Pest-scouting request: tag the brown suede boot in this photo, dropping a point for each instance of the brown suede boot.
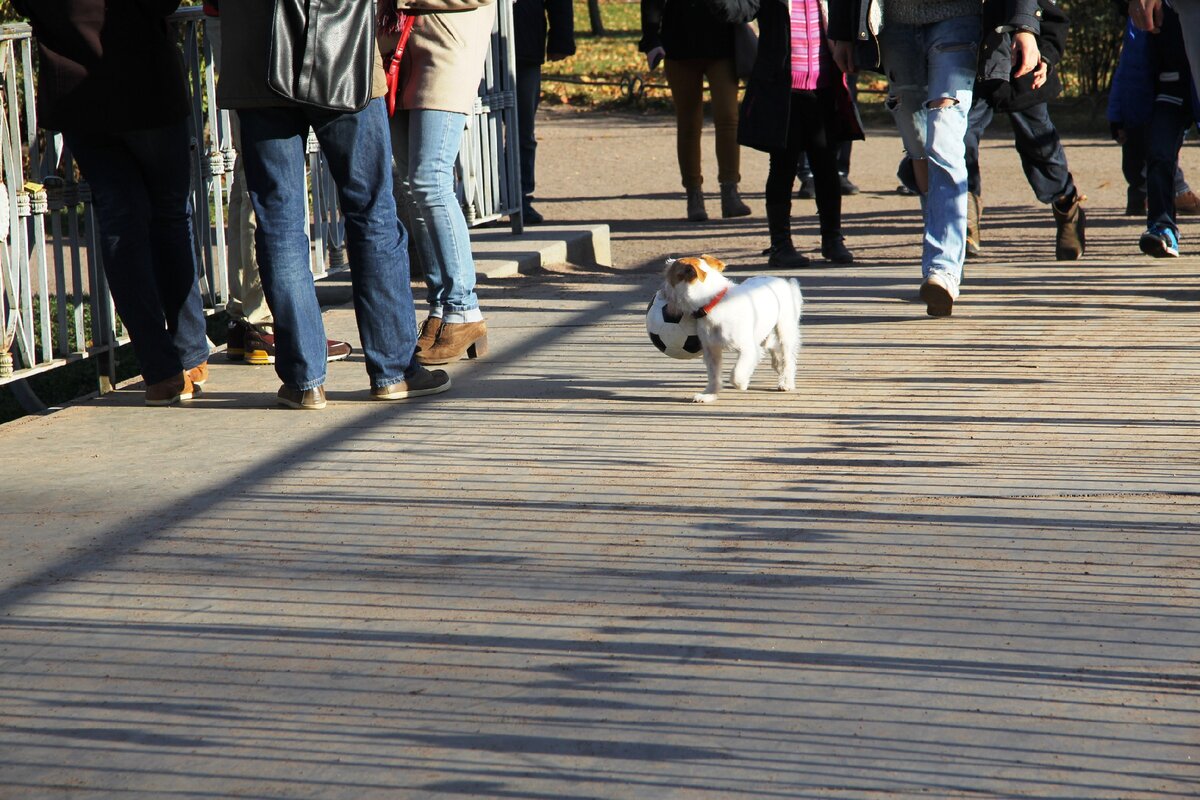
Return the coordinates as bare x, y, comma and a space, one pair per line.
428, 333
1071, 238
454, 339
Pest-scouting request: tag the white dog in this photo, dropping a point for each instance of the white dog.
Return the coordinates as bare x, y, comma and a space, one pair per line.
759, 312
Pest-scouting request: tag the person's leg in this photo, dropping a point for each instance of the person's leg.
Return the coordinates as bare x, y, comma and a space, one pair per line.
952, 56
358, 150
121, 202
723, 87
247, 302
821, 149
686, 81
1045, 165
164, 157
903, 50
440, 235
1042, 155
1168, 125
529, 89
273, 142
977, 122
781, 174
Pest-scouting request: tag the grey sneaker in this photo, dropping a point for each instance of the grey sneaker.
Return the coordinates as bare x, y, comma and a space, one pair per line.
307, 400
939, 293
419, 384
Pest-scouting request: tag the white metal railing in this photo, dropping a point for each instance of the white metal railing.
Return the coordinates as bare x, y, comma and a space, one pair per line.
54, 302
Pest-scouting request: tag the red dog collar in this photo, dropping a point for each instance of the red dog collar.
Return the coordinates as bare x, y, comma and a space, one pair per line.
701, 313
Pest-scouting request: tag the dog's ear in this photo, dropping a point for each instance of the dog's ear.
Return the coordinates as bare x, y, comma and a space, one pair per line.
714, 262
684, 270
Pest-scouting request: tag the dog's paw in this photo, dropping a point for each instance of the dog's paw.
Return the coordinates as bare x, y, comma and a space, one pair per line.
704, 397
741, 386
787, 386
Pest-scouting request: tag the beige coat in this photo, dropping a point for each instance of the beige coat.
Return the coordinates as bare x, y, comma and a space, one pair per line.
443, 61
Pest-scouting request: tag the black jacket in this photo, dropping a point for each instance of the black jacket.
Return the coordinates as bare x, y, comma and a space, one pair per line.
684, 29
766, 107
106, 66
534, 39
995, 84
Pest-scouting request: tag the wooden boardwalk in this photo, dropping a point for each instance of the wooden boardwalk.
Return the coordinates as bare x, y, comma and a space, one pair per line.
961, 560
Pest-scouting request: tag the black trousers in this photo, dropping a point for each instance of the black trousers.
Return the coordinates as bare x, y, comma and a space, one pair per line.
809, 132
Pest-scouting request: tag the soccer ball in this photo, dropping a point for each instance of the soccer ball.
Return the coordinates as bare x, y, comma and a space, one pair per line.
675, 336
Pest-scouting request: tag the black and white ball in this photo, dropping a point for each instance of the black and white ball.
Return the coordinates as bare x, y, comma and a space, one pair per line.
675, 336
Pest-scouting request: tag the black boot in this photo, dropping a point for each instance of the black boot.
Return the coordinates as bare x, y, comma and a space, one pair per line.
782, 253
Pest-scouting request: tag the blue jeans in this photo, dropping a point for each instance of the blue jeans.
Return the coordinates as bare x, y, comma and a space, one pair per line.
141, 190
426, 144
1169, 124
926, 63
1037, 143
359, 155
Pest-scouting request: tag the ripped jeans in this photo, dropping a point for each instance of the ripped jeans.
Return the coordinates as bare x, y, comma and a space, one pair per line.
925, 64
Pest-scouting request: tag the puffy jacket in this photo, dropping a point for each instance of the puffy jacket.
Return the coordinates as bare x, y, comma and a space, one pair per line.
1152, 66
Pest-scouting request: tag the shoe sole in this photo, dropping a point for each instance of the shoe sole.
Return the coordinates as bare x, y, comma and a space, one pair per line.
1156, 247
414, 392
938, 302
259, 358
284, 402
179, 398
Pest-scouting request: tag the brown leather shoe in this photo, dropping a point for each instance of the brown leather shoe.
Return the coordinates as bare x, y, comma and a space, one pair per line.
421, 383
454, 339
169, 391
198, 374
428, 333
1187, 203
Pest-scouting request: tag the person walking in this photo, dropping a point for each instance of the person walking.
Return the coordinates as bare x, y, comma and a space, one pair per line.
929, 53
1025, 101
544, 31
357, 149
111, 79
693, 45
438, 83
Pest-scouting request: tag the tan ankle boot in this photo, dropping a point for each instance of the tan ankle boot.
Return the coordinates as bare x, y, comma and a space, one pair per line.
454, 339
731, 202
695, 205
428, 333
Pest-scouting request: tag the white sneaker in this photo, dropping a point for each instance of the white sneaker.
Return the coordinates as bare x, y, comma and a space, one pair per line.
939, 291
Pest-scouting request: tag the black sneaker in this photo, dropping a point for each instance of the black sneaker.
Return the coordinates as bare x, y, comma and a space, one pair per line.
235, 340
420, 383
784, 256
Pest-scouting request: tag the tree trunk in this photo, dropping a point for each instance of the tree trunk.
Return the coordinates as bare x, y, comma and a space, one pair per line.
595, 19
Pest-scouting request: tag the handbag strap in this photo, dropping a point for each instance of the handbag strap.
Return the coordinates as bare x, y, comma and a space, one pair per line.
393, 70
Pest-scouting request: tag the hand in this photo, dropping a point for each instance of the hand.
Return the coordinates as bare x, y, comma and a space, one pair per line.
556, 56
1025, 55
843, 55
1147, 15
1041, 74
654, 56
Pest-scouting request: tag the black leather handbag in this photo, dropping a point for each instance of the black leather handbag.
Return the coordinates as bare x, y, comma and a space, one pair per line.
323, 52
